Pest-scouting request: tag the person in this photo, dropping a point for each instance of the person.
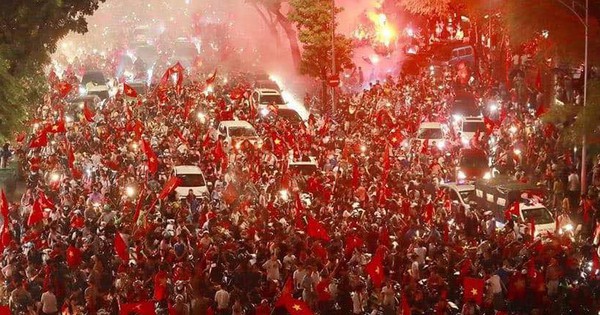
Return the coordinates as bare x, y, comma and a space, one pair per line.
272, 267
5, 154
573, 185
222, 300
49, 305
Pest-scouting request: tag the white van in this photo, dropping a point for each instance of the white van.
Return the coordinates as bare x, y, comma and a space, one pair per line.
234, 132
469, 127
434, 132
459, 194
192, 178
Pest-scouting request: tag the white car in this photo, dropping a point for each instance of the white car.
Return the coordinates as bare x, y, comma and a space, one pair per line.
234, 132
460, 194
94, 83
434, 132
266, 97
469, 127
283, 111
304, 167
192, 178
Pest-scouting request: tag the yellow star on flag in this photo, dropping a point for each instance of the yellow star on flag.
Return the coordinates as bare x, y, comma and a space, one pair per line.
297, 307
474, 292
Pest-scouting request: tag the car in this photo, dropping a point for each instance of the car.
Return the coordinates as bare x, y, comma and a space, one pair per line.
283, 112
459, 194
464, 104
94, 83
267, 97
235, 132
469, 127
304, 167
472, 164
433, 132
267, 84
452, 54
192, 178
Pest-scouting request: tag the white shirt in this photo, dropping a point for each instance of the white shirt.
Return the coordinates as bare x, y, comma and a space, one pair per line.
222, 299
495, 285
573, 182
49, 304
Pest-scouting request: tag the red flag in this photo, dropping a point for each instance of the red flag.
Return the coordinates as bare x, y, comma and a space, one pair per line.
178, 69
490, 125
375, 269
386, 159
298, 204
230, 194
352, 242
315, 229
429, 210
541, 110
70, 156
4, 208
322, 288
5, 238
297, 307
595, 264
138, 207
4, 310
129, 91
425, 147
152, 161
473, 290
58, 127
139, 308
20, 137
88, 114
45, 203
286, 292
405, 307
39, 141
73, 256
64, 88
121, 249
513, 210
170, 185
160, 286
396, 138
532, 230
218, 151
212, 78
36, 215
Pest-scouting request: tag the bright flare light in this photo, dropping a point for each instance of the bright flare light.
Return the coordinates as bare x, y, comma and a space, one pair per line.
384, 32
54, 177
517, 151
284, 194
513, 129
493, 107
201, 117
363, 148
130, 191
68, 119
264, 111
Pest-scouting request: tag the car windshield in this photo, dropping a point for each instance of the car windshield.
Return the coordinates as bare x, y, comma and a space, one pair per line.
467, 195
191, 180
241, 132
304, 169
431, 133
473, 126
267, 85
271, 98
289, 115
539, 215
474, 161
96, 77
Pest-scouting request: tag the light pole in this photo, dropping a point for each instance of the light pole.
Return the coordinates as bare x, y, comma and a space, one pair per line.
585, 21
333, 72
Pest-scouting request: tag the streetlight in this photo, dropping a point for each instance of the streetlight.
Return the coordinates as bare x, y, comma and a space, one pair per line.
585, 21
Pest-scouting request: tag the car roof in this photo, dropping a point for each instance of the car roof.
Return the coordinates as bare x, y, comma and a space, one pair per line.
187, 169
267, 91
236, 123
313, 161
459, 187
431, 125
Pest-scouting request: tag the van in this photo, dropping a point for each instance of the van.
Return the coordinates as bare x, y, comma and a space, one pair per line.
192, 178
266, 97
459, 194
472, 164
453, 54
94, 83
469, 126
234, 132
498, 194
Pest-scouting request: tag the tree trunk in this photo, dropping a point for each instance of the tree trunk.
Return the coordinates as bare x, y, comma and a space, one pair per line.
272, 26
289, 30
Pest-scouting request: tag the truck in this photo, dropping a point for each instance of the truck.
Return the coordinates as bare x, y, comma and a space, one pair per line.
500, 193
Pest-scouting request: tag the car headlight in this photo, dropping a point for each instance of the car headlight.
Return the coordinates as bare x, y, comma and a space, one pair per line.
487, 175
457, 118
440, 144
238, 145
464, 140
264, 112
461, 175
82, 90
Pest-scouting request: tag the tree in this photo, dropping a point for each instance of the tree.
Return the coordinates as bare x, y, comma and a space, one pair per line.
30, 31
270, 13
577, 121
313, 18
427, 7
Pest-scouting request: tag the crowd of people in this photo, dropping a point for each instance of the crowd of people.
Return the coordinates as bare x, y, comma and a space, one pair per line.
100, 229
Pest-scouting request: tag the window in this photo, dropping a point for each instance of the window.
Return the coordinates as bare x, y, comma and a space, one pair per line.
431, 133
191, 180
539, 215
241, 132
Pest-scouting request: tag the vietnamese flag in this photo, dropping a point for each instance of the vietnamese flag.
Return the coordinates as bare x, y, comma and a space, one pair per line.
64, 88
396, 138
375, 269
129, 91
315, 229
218, 151
169, 187
44, 201
70, 156
73, 256
352, 242
429, 210
5, 237
490, 125
36, 215
425, 147
88, 114
139, 308
473, 290
160, 286
514, 210
39, 141
297, 307
212, 78
541, 110
4, 310
322, 288
152, 161
121, 249
4, 208
286, 292
58, 127
138, 207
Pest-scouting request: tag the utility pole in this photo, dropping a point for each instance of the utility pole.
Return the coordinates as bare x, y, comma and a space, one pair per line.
333, 70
